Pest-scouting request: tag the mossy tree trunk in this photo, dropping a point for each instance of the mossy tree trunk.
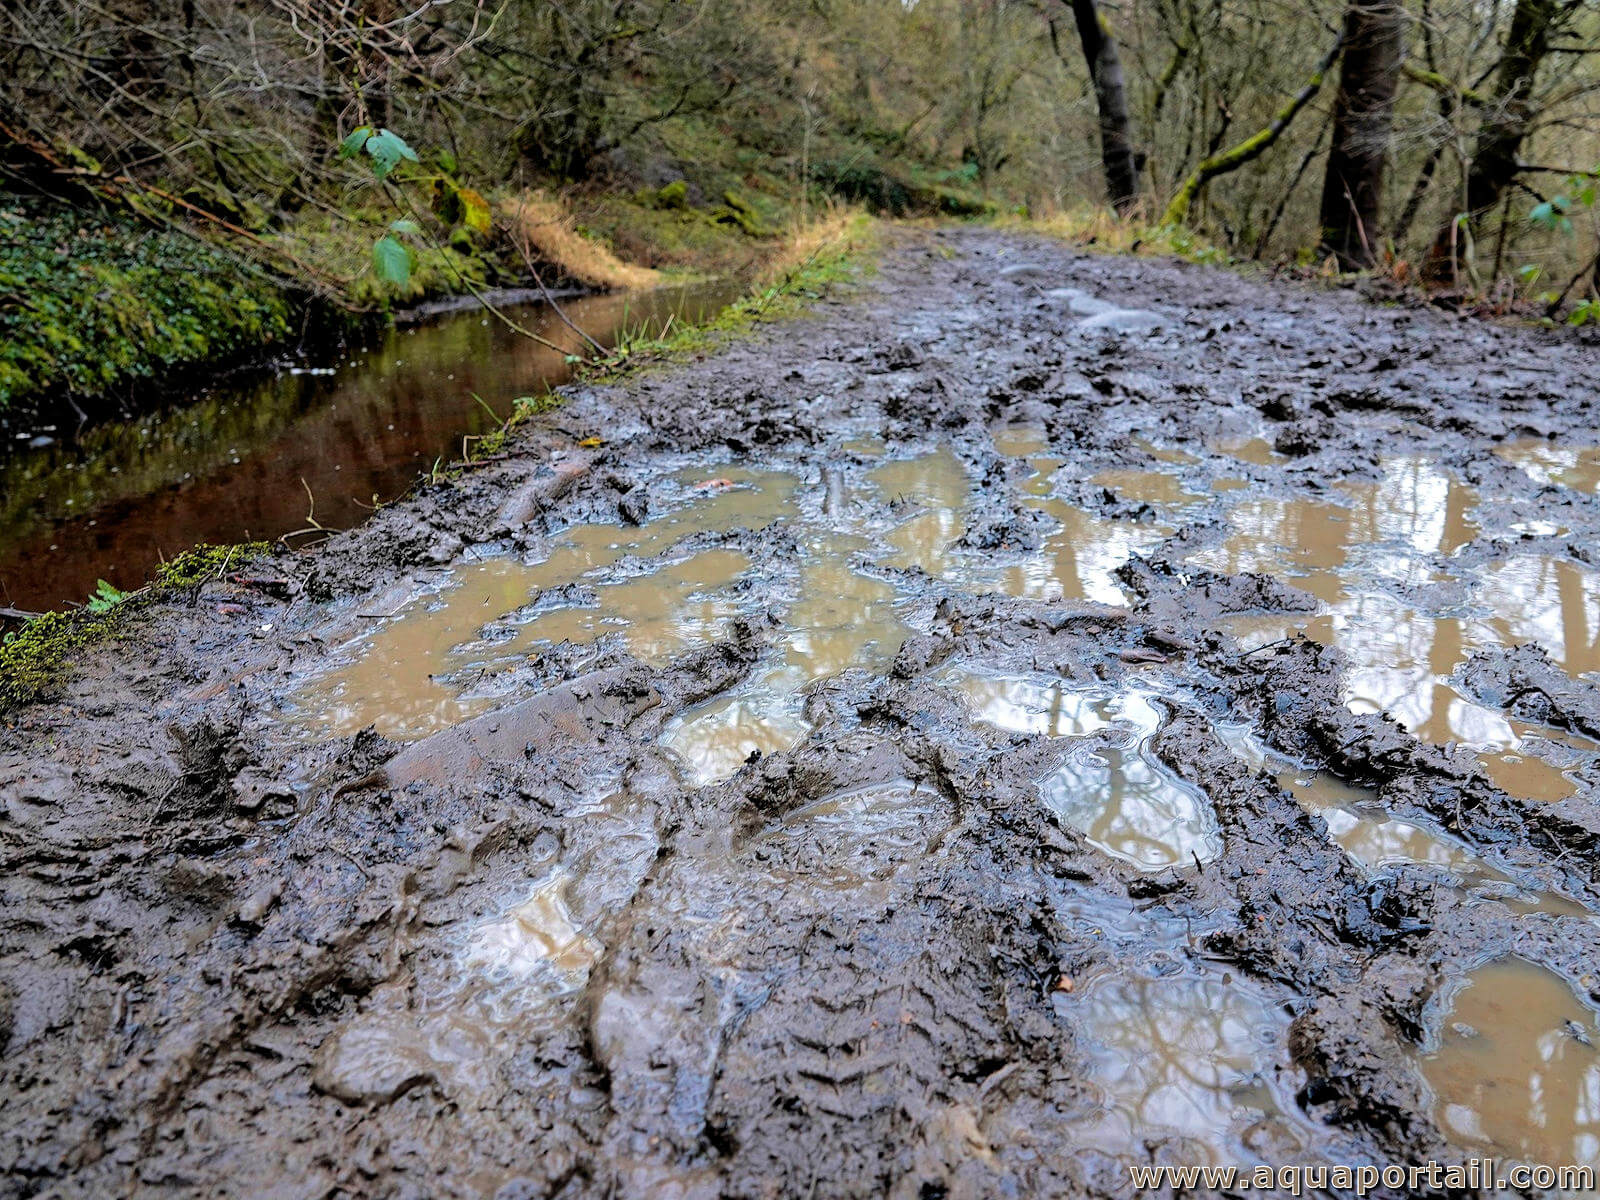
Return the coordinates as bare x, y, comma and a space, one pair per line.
1251, 148
1369, 75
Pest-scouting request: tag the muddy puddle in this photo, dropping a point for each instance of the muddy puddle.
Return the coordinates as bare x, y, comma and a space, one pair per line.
1576, 467
1370, 544
1111, 787
1200, 1059
1514, 1065
317, 443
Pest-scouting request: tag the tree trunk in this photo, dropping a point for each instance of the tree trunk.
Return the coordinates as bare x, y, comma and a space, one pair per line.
1369, 74
1506, 121
1111, 96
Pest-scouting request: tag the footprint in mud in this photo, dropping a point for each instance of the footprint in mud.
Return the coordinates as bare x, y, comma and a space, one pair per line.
1111, 788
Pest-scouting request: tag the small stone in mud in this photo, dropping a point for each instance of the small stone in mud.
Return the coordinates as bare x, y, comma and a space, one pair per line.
634, 507
367, 1062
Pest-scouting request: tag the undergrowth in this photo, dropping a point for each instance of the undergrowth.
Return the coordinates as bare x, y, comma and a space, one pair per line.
90, 302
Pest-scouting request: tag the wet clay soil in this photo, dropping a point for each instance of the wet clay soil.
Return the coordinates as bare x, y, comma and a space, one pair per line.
1037, 714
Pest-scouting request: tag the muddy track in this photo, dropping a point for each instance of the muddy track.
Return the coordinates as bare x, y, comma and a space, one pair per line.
1101, 804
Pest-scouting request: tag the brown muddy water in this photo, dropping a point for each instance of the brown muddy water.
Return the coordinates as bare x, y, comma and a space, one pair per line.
964, 763
315, 443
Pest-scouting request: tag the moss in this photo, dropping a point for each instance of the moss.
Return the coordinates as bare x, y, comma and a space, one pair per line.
35, 658
194, 567
89, 303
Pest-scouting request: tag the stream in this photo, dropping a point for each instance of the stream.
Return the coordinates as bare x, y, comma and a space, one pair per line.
260, 456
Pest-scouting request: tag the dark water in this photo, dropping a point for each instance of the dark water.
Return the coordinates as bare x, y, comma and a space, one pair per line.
244, 462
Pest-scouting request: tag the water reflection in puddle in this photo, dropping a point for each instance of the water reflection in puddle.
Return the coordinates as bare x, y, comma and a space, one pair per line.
1031, 703
538, 934
1376, 840
1202, 1059
1514, 1066
1576, 467
1402, 659
937, 484
1113, 789
395, 677
1551, 601
842, 619
1079, 561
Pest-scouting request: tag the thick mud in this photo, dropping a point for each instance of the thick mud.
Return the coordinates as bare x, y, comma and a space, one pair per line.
1041, 714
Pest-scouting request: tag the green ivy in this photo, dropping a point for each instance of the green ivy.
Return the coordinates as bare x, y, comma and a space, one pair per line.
90, 302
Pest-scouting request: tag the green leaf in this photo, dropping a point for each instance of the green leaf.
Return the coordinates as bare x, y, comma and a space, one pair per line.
105, 598
405, 225
392, 260
354, 140
388, 148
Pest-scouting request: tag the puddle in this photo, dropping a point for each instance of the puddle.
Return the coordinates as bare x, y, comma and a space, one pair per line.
937, 484
1080, 559
395, 681
658, 615
1514, 1066
1255, 450
1547, 600
1576, 467
1113, 790
842, 619
1375, 840
1146, 487
1370, 836
1131, 806
1304, 541
1031, 704
1201, 1059
539, 934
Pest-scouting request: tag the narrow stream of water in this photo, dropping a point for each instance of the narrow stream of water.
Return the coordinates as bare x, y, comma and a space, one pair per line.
247, 460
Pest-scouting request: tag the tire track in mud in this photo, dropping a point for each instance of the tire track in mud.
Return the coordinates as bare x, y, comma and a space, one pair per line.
523, 953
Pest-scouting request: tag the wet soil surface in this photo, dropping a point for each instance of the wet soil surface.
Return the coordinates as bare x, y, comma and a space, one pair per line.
1039, 714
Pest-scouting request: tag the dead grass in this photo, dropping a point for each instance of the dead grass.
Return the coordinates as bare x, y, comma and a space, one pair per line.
547, 231
1098, 227
835, 225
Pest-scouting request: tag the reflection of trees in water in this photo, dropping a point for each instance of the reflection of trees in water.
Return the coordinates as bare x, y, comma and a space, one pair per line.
1518, 1065
227, 465
1177, 1053
1125, 800
1550, 601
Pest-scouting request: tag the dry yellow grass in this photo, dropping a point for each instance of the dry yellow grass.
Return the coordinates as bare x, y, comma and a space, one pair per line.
545, 230
833, 225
